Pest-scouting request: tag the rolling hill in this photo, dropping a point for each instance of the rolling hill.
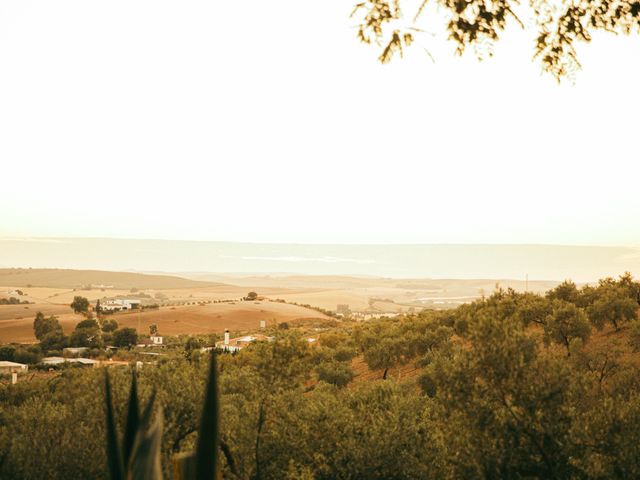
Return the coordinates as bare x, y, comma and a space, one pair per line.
63, 278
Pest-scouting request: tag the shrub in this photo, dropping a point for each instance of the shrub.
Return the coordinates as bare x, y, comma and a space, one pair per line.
335, 373
7, 352
22, 355
634, 336
125, 337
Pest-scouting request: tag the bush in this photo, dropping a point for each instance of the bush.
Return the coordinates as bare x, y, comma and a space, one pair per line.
634, 336
7, 353
85, 337
54, 341
344, 354
125, 337
23, 355
13, 301
109, 325
88, 323
335, 373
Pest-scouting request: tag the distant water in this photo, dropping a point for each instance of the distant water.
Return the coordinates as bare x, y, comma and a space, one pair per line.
539, 262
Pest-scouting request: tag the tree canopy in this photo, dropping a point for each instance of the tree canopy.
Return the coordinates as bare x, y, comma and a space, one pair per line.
125, 337
557, 26
86, 334
43, 326
80, 304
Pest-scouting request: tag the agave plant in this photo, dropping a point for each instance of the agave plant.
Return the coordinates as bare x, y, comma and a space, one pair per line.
138, 456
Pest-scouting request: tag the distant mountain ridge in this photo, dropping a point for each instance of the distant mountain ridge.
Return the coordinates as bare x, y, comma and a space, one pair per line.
539, 262
65, 278
347, 282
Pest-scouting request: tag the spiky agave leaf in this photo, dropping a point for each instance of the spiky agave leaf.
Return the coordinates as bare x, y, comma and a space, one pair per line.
184, 466
114, 459
133, 419
145, 462
208, 434
145, 418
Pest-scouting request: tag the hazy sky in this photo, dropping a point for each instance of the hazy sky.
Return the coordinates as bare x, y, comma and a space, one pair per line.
268, 121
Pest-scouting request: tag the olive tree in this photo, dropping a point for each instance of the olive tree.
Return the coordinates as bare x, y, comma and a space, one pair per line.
555, 28
566, 323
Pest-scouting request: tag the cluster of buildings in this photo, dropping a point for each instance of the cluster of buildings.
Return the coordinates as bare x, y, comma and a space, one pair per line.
73, 355
7, 368
232, 345
236, 344
119, 305
364, 316
343, 311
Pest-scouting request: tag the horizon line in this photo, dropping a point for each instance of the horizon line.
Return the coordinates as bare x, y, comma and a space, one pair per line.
355, 244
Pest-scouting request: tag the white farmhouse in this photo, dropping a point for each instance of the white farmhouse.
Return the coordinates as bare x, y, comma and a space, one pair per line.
88, 362
74, 350
119, 305
237, 344
11, 367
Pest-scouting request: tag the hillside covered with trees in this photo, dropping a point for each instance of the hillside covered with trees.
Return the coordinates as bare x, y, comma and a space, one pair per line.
514, 385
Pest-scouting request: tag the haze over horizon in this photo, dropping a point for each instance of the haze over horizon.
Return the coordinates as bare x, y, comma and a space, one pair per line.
538, 262
144, 120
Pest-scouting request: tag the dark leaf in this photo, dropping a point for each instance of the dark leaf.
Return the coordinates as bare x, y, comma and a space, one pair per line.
133, 419
145, 461
114, 459
208, 435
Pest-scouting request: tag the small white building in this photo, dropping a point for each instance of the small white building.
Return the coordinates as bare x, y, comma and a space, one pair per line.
152, 341
119, 305
7, 367
237, 344
89, 362
74, 350
53, 360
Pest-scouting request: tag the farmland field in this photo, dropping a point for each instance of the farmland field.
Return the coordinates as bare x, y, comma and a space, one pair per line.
187, 305
215, 317
16, 321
